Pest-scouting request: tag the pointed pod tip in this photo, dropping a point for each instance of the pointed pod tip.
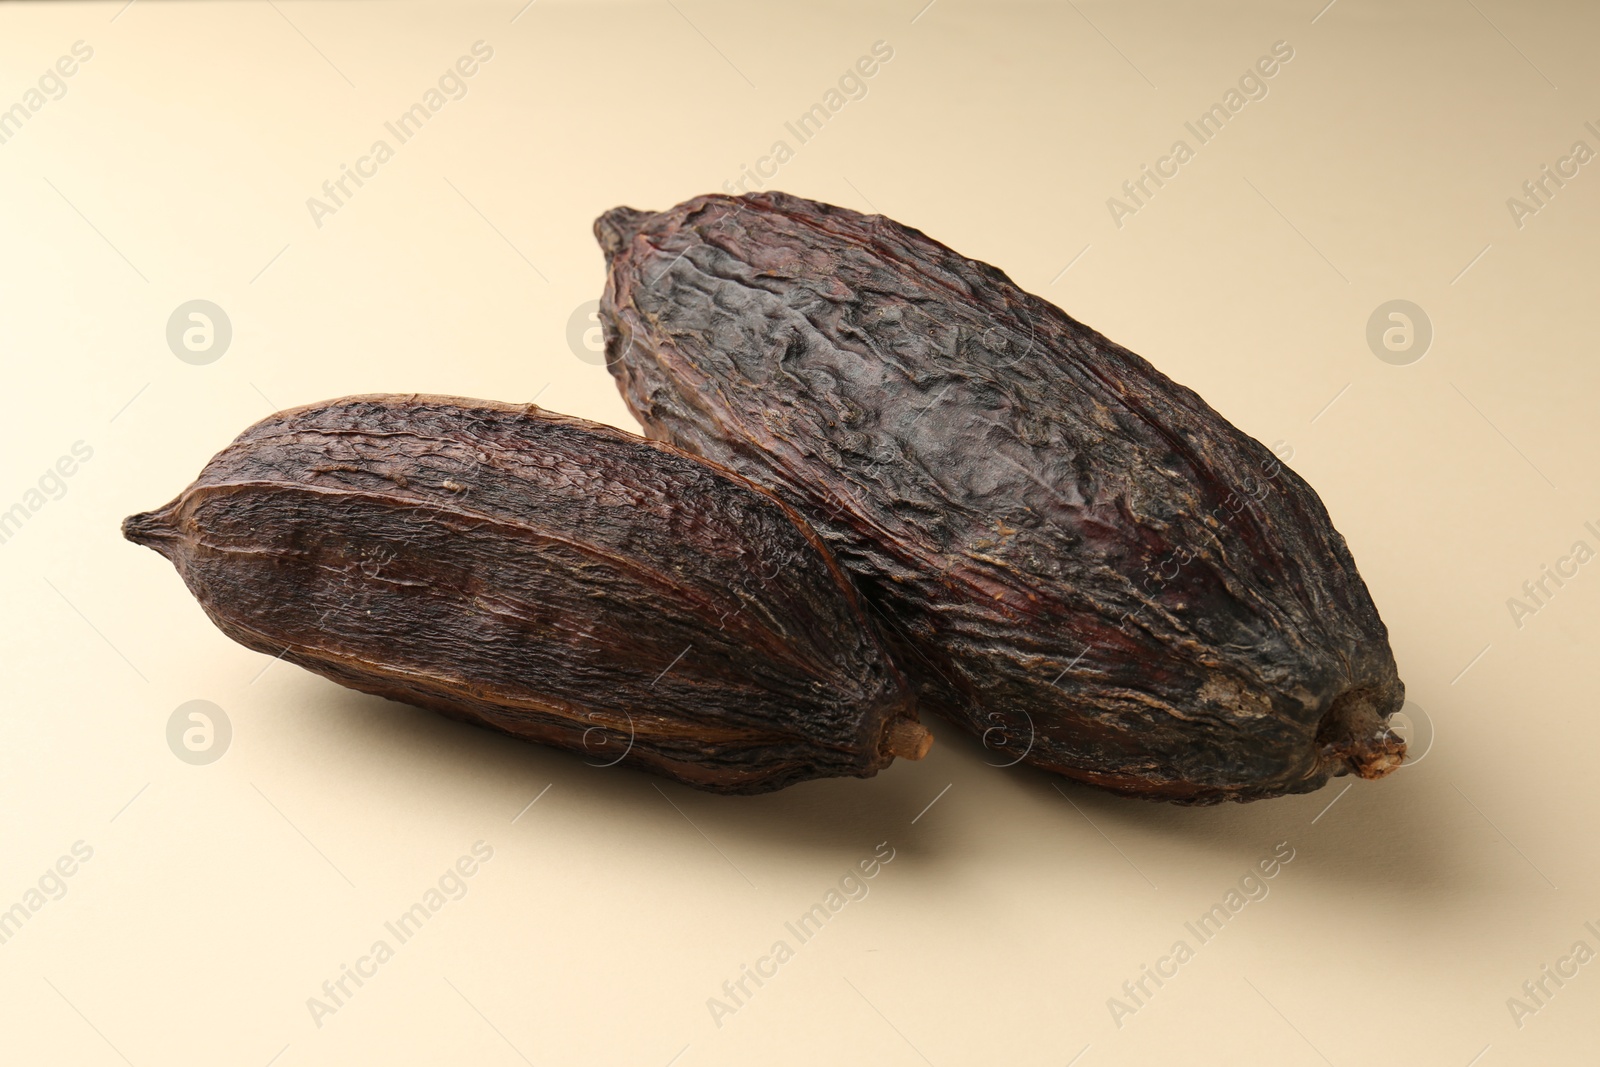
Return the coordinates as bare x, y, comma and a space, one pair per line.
149, 528
617, 227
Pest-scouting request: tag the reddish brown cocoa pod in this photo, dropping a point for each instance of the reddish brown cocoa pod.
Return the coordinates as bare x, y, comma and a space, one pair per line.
559, 580
1083, 562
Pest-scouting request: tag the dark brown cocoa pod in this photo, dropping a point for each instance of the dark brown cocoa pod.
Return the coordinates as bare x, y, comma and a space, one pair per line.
553, 578
1089, 566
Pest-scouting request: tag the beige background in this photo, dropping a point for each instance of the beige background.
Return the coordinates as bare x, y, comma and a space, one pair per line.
219, 898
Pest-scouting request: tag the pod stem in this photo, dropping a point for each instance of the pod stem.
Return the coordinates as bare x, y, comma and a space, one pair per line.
907, 739
1355, 734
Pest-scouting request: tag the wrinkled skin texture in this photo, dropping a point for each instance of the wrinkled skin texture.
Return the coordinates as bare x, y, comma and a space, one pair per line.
552, 578
1080, 560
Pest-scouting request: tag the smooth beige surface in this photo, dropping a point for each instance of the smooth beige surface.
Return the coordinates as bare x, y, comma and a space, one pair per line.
218, 899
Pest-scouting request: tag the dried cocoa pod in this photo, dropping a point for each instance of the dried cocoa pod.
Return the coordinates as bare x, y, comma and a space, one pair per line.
1087, 566
559, 580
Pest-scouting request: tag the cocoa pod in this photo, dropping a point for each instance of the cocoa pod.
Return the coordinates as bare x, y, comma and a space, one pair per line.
1085, 564
552, 578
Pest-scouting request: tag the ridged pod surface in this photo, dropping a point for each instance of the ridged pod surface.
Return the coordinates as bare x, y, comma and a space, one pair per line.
549, 577
1081, 561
